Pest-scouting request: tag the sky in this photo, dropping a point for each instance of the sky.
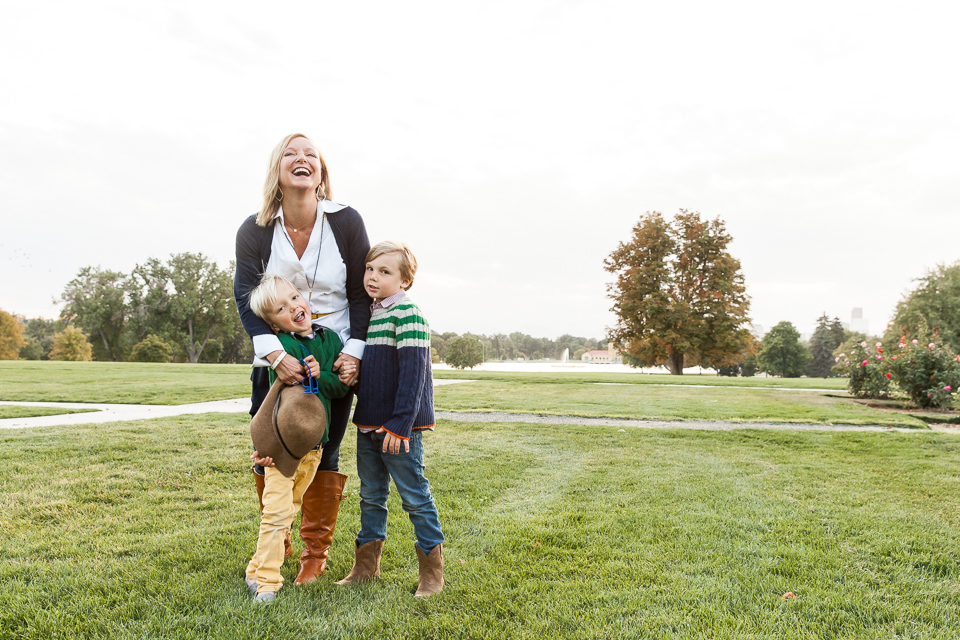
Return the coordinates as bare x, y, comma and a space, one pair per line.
512, 145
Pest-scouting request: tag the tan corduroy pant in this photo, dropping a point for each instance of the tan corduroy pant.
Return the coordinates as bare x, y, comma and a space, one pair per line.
282, 497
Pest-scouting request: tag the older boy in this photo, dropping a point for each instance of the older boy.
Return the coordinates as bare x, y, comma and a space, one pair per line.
279, 303
394, 407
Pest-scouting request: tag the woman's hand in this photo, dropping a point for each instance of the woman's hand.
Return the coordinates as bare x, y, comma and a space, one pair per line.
348, 367
290, 371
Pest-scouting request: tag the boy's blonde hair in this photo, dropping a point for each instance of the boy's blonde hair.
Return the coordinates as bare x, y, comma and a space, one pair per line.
408, 263
264, 296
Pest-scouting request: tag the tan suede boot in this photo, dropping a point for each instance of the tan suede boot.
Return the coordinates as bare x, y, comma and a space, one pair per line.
366, 565
431, 572
260, 482
318, 519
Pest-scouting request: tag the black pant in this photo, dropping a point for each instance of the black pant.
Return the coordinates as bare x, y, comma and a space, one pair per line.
339, 416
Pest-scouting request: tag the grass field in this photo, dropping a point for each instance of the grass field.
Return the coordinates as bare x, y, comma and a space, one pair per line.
122, 382
142, 530
635, 396
9, 411
649, 402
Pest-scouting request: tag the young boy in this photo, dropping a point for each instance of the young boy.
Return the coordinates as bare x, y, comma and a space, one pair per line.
287, 312
394, 407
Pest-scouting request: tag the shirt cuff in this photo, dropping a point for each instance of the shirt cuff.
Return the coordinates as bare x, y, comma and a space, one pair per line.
353, 348
266, 344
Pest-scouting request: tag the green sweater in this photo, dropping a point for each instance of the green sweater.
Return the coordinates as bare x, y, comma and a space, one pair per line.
325, 346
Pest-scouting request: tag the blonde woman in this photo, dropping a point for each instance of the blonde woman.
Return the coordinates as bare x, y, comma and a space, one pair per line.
320, 246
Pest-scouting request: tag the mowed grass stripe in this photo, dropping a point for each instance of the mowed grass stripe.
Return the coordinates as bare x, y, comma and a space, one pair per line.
647, 402
142, 529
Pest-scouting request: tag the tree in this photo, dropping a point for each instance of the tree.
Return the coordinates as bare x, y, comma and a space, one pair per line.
95, 301
935, 302
781, 352
11, 336
188, 302
38, 333
151, 349
825, 339
71, 344
678, 293
463, 353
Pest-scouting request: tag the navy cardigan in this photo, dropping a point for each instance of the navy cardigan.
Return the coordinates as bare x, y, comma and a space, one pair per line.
253, 254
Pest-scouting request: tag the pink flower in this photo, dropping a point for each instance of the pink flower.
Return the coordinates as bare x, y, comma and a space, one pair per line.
879, 350
879, 344
901, 345
843, 355
836, 359
930, 346
946, 388
879, 357
888, 376
863, 344
916, 342
864, 363
894, 357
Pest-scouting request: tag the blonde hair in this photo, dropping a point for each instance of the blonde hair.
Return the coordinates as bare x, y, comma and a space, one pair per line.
264, 296
408, 262
271, 186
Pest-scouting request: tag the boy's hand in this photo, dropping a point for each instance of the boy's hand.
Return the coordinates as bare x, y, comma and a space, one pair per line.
348, 367
263, 462
313, 366
391, 443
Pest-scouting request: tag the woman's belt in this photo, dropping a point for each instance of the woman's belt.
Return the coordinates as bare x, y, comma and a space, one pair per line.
317, 316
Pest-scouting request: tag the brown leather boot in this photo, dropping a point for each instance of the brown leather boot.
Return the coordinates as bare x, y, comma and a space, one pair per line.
318, 519
431, 572
366, 565
260, 482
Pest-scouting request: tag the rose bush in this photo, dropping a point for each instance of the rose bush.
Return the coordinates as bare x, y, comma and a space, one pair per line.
864, 365
926, 370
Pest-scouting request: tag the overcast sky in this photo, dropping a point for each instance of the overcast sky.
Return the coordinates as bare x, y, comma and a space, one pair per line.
511, 144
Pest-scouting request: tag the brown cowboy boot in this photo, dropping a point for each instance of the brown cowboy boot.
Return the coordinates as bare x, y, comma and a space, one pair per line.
260, 482
318, 519
366, 565
431, 572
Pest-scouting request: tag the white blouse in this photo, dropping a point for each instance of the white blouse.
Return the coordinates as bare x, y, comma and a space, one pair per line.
320, 274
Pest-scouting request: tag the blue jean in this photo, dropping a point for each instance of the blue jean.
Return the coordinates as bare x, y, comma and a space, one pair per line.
375, 469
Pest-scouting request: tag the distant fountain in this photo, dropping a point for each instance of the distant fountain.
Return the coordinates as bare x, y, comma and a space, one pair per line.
565, 356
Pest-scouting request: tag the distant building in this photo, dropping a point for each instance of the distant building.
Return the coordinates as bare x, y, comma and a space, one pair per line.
603, 356
858, 322
758, 330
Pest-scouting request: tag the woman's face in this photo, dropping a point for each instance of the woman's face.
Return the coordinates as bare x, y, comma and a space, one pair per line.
300, 165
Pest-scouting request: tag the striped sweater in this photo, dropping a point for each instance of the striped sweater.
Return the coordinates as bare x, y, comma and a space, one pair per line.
396, 380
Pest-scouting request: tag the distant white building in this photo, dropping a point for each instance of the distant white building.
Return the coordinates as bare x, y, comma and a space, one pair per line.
604, 356
858, 322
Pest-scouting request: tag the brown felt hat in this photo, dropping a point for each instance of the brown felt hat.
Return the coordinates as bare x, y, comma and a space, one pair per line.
288, 425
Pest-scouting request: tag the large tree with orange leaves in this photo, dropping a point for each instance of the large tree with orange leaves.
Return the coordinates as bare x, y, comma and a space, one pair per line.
679, 295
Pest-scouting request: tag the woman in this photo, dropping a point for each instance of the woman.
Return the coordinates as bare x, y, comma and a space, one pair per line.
320, 246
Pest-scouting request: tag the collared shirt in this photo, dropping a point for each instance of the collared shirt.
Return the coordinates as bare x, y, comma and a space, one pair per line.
386, 303
320, 275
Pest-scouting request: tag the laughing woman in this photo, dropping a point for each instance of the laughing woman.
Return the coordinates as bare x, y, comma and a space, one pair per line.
320, 246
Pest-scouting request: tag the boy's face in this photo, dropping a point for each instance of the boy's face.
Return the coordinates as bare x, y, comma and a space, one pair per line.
291, 312
382, 277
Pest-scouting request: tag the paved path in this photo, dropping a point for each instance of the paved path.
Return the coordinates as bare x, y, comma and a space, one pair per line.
119, 412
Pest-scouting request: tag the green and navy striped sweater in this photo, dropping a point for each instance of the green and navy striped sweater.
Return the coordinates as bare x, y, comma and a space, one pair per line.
396, 380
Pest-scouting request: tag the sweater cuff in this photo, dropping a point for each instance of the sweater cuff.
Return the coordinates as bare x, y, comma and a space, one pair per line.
395, 428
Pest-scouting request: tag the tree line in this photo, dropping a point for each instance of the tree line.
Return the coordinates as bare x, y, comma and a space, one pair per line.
179, 310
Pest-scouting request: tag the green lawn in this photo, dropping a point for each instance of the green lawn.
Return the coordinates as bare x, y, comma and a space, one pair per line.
10, 411
838, 384
142, 530
122, 382
649, 402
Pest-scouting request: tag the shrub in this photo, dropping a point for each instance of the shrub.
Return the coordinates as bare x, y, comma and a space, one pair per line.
151, 349
71, 344
865, 366
926, 369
